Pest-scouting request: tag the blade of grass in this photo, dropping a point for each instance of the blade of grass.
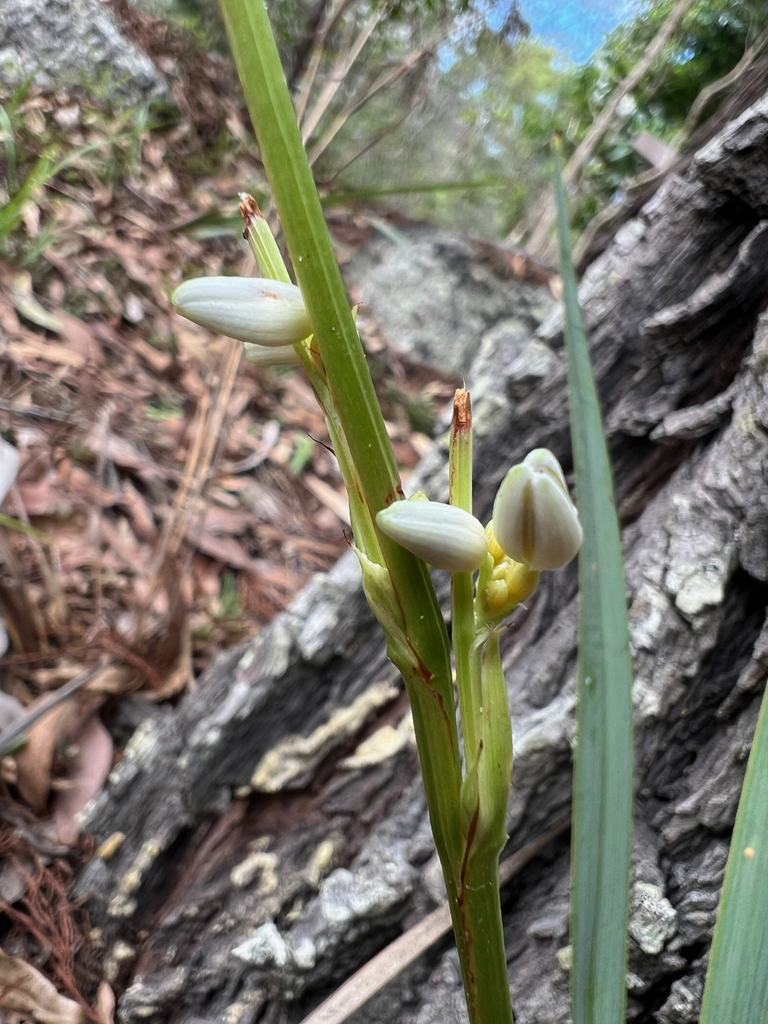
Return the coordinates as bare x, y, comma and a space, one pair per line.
737, 980
603, 769
12, 212
17, 526
415, 189
9, 144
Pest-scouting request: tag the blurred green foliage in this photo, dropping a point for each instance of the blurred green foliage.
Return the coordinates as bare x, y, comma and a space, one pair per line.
489, 114
482, 100
710, 42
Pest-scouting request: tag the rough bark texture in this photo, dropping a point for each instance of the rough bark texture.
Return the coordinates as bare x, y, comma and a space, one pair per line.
275, 833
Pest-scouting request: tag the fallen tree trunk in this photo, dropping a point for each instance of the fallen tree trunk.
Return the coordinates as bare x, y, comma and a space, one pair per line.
265, 838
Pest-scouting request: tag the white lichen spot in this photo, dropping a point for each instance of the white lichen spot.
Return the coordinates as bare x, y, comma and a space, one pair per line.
146, 856
122, 903
304, 953
703, 589
142, 743
322, 859
564, 958
386, 742
254, 864
645, 699
235, 1012
295, 757
123, 952
110, 846
121, 906
265, 948
647, 618
652, 918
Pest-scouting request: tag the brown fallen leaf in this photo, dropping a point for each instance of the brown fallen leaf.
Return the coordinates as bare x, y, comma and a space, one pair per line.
142, 520
335, 500
228, 551
49, 351
34, 761
178, 678
79, 337
45, 497
23, 989
94, 765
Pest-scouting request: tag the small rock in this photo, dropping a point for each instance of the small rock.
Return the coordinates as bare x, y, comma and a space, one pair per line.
652, 918
265, 948
133, 311
73, 42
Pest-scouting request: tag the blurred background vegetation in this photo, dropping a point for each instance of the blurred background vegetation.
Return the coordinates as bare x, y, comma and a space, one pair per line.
445, 108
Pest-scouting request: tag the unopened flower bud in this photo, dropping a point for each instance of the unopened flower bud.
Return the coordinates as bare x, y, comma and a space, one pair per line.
249, 309
274, 355
443, 535
534, 519
9, 467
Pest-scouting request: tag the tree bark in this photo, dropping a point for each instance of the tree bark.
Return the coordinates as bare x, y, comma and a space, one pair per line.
274, 829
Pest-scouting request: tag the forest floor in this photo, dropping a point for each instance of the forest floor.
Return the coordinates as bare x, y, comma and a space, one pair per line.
171, 498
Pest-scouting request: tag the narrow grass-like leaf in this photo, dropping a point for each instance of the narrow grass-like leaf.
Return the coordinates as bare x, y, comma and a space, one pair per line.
737, 981
12, 212
603, 771
9, 144
17, 526
341, 198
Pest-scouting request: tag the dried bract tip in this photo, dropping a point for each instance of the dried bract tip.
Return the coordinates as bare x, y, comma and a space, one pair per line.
255, 310
443, 535
534, 519
249, 207
462, 411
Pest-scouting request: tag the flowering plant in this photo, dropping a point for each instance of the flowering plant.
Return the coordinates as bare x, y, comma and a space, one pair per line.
535, 527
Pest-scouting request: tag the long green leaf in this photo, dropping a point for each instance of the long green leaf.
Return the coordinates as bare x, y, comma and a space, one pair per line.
603, 783
736, 991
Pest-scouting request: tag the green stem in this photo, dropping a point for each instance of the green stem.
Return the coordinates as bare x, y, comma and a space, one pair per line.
463, 636
462, 586
485, 970
488, 991
488, 753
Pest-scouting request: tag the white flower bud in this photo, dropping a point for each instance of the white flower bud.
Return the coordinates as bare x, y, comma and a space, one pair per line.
9, 467
534, 519
443, 535
276, 355
250, 309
